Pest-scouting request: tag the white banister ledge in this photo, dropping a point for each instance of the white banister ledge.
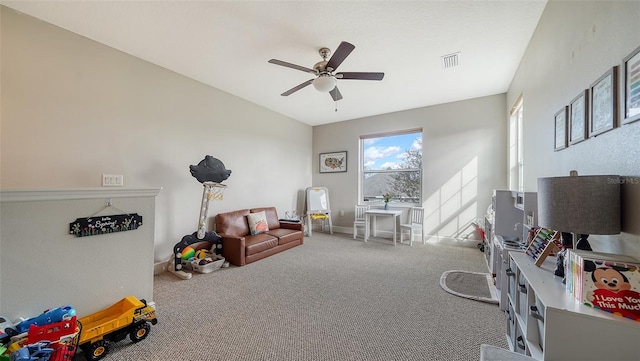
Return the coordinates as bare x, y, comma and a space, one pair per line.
26, 195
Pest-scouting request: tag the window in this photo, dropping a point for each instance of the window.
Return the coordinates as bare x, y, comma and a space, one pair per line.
391, 163
516, 165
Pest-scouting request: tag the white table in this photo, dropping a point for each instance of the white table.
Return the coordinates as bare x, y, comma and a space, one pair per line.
376, 213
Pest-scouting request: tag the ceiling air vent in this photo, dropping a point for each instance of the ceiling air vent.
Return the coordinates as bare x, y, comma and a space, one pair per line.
450, 60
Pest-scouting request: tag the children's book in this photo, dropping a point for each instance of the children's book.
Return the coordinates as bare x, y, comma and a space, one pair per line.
605, 281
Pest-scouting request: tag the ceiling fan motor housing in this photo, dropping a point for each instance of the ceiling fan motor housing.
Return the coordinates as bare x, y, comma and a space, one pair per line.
321, 67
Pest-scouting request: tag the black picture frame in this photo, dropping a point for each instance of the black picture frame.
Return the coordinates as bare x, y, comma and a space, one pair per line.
334, 162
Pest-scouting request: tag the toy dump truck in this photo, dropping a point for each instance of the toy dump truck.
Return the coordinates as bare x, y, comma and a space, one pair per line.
129, 316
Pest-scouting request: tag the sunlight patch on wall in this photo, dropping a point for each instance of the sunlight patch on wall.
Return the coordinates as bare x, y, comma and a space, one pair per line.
451, 209
458, 228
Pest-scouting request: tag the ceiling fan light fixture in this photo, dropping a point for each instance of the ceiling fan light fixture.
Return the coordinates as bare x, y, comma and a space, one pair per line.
324, 83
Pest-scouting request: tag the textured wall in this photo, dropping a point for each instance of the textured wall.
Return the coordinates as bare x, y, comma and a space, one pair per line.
573, 45
73, 109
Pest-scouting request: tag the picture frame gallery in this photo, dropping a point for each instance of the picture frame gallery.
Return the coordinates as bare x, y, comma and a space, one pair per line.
611, 101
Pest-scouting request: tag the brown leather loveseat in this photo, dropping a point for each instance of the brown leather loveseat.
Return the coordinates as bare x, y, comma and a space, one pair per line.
240, 247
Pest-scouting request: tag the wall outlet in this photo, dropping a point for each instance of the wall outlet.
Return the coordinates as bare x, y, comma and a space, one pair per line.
112, 180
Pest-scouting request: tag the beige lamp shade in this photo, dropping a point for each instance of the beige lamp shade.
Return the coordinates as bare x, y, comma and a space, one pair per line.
580, 204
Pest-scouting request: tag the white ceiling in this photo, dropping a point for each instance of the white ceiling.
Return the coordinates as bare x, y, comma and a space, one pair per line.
226, 44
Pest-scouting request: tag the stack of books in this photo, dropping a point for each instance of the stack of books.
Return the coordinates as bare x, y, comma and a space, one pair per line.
605, 281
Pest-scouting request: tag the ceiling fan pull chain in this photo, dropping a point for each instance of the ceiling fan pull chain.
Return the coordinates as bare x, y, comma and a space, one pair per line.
336, 106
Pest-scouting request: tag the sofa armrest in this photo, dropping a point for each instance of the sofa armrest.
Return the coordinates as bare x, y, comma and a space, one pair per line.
233, 249
298, 226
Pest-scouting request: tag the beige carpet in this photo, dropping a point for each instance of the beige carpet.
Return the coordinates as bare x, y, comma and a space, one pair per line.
333, 298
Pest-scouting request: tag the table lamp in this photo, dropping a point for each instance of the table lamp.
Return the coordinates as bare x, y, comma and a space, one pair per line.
580, 205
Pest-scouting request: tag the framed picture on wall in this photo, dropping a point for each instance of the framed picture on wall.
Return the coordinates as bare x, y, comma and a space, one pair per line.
631, 64
561, 129
602, 103
333, 162
578, 114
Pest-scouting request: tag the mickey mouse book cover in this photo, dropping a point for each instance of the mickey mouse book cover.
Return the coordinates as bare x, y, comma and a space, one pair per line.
610, 283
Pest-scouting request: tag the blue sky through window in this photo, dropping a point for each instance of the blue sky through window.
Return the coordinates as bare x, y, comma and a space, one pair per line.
390, 151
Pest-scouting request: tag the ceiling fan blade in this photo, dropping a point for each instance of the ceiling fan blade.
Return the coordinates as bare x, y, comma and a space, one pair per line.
296, 88
335, 94
360, 76
292, 66
344, 49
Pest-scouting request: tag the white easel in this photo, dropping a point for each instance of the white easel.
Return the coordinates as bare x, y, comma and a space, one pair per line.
317, 199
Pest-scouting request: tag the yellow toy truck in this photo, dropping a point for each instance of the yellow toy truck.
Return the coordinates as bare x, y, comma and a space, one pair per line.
128, 316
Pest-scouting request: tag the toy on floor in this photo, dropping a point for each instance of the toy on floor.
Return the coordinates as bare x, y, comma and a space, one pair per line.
39, 351
210, 172
3, 355
45, 327
318, 208
129, 316
7, 330
47, 317
200, 255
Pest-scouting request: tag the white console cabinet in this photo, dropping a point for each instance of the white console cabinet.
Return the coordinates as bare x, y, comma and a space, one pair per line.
506, 216
501, 262
514, 214
547, 323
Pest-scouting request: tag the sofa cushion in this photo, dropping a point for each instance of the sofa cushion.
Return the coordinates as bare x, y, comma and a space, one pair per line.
285, 235
233, 223
259, 242
257, 222
272, 216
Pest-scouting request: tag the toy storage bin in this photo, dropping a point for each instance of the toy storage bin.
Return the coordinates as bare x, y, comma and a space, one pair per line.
209, 267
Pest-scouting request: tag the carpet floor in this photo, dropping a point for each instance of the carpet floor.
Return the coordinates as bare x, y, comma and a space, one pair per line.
333, 298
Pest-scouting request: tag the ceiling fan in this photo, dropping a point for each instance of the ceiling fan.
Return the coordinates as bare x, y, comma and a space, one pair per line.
326, 80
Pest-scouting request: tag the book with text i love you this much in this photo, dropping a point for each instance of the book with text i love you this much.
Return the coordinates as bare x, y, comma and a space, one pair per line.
609, 282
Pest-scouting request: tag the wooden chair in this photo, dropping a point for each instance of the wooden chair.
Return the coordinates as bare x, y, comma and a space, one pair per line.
415, 221
359, 219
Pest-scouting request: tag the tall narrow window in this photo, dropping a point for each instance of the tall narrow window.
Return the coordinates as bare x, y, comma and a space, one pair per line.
391, 163
516, 165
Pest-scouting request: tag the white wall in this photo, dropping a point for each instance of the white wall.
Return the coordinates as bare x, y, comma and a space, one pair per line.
573, 45
464, 159
73, 109
44, 266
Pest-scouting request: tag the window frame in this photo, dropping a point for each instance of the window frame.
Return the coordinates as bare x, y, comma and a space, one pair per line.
363, 172
515, 167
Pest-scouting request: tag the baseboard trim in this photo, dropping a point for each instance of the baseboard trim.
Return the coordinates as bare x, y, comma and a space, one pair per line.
429, 238
159, 267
